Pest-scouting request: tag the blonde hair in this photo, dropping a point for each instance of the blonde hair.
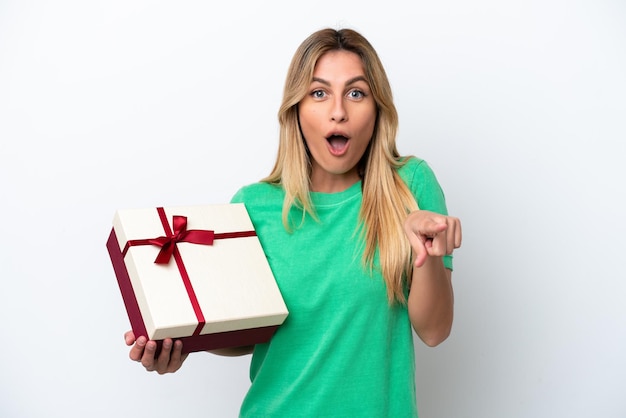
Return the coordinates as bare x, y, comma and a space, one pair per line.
386, 198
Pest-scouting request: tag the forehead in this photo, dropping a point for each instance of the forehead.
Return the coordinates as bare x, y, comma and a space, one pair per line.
339, 64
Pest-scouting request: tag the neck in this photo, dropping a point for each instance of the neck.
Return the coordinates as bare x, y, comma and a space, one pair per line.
333, 183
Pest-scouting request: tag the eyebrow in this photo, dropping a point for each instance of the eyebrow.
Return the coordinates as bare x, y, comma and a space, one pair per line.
349, 82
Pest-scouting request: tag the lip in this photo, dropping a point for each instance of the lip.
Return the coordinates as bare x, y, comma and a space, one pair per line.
337, 133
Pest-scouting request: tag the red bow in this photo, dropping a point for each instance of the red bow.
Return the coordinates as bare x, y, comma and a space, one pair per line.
168, 243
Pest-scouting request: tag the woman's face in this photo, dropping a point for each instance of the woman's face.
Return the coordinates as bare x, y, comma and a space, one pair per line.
337, 119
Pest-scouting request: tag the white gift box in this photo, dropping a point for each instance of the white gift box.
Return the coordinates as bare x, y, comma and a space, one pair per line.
213, 287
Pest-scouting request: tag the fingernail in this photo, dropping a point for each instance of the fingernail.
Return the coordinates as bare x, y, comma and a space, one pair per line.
167, 344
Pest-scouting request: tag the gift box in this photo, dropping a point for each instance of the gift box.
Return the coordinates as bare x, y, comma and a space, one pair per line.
195, 273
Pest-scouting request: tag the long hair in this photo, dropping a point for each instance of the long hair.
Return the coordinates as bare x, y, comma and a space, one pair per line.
386, 199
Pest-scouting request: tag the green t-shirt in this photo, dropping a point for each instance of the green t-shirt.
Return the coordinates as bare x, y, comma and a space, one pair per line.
343, 351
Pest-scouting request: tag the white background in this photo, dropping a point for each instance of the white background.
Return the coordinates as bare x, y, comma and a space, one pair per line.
518, 106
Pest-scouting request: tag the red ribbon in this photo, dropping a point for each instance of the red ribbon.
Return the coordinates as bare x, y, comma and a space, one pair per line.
169, 249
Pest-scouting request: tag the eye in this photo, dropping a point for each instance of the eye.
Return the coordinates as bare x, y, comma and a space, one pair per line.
318, 94
356, 94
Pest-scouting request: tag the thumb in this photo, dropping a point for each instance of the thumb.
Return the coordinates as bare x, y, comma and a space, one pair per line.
129, 337
418, 244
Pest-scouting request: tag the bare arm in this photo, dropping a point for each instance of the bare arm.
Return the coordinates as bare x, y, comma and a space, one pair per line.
431, 298
431, 302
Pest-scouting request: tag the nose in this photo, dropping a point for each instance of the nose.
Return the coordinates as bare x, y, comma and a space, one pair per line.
338, 111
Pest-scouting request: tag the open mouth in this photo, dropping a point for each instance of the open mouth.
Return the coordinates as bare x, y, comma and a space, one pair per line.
338, 143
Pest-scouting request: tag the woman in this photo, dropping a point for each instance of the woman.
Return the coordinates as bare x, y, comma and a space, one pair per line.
358, 239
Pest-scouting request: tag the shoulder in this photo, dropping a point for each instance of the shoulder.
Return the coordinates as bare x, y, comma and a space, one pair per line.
414, 171
254, 191
422, 181
263, 202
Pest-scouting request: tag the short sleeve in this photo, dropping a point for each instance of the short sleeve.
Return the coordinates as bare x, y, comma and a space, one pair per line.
238, 196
